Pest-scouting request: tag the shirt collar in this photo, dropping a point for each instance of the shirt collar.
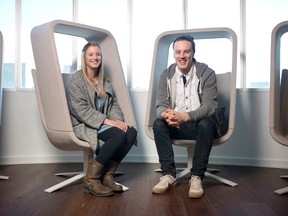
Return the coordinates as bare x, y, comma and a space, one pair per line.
180, 74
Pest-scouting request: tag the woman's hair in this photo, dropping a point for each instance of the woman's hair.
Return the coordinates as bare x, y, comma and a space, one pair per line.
99, 73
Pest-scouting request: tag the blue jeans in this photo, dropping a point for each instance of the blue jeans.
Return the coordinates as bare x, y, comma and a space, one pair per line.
202, 131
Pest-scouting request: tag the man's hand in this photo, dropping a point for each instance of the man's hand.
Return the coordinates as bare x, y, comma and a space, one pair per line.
174, 119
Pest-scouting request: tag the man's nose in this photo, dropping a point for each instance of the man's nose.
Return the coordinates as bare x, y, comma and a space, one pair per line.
181, 54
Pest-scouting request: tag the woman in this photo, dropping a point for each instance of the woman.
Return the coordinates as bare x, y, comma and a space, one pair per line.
97, 118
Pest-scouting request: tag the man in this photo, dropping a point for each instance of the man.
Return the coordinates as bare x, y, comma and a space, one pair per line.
186, 107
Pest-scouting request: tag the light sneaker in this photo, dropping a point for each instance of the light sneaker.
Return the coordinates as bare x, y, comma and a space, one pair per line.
196, 189
164, 184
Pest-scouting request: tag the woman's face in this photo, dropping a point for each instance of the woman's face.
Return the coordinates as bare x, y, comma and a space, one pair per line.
93, 57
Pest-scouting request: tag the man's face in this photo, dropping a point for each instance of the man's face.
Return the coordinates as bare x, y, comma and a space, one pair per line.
183, 55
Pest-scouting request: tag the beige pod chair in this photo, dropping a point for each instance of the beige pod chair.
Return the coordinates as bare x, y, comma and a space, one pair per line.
1, 90
50, 89
226, 85
278, 108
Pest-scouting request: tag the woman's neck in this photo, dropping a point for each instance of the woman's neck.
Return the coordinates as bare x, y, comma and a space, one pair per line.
92, 74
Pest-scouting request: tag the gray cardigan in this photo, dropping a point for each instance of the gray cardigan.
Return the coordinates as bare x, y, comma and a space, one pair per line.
86, 119
207, 91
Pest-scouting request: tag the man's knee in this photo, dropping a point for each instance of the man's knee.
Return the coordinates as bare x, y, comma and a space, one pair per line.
159, 123
206, 124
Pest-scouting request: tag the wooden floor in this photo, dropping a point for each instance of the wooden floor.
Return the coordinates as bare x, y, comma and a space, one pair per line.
23, 193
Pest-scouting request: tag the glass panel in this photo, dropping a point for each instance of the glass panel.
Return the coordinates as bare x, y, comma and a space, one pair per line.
209, 14
36, 13
207, 51
150, 19
110, 15
262, 17
7, 27
64, 46
284, 52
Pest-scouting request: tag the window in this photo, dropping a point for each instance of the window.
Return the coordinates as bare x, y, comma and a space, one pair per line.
284, 52
7, 27
64, 45
18, 56
35, 13
261, 17
207, 51
222, 13
111, 15
136, 26
150, 18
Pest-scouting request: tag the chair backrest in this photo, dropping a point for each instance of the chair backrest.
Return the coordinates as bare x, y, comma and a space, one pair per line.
49, 81
224, 92
1, 64
50, 90
284, 102
227, 93
63, 139
278, 117
48, 67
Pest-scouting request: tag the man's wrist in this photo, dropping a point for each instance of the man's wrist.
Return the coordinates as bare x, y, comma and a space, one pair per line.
186, 117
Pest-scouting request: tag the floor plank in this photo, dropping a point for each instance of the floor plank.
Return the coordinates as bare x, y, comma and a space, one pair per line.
23, 193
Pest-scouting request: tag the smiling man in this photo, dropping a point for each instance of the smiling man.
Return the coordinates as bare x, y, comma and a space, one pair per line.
186, 108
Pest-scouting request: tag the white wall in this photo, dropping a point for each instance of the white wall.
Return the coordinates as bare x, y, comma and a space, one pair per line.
23, 140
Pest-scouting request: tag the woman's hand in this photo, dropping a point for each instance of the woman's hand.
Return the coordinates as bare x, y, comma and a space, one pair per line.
117, 123
122, 125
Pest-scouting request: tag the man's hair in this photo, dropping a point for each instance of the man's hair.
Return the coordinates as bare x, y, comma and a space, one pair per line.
187, 38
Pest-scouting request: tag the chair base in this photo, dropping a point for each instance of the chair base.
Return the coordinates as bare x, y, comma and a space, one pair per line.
76, 176
221, 179
66, 182
209, 174
4, 177
282, 190
67, 174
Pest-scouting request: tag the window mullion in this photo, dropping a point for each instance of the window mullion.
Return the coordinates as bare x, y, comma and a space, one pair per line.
243, 44
17, 69
130, 44
185, 13
74, 41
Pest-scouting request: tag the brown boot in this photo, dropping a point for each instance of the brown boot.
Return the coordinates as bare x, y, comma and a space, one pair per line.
92, 183
108, 177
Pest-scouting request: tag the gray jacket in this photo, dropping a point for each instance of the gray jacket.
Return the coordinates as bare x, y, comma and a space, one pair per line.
86, 119
207, 91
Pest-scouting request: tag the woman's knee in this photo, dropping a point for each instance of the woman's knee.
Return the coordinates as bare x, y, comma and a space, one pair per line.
131, 134
121, 136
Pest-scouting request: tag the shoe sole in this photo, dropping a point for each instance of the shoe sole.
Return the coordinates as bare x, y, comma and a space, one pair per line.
157, 191
195, 196
97, 195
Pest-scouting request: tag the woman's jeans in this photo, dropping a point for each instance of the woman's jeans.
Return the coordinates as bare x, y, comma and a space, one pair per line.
202, 131
117, 144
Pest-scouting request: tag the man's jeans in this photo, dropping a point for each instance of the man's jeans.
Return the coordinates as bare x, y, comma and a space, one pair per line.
202, 131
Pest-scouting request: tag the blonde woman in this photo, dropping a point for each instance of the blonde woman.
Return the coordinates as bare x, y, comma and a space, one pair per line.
97, 118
